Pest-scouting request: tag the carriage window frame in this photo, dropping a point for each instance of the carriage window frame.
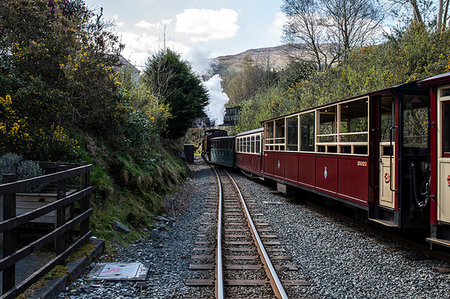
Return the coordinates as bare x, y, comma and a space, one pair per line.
444, 102
340, 143
269, 134
292, 146
311, 145
258, 144
252, 144
327, 118
275, 135
354, 146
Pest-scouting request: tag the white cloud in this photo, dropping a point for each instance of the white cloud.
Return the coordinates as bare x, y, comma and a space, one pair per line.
166, 21
139, 46
277, 25
206, 24
147, 25
115, 19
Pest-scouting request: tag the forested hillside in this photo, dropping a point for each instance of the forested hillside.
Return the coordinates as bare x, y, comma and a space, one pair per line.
65, 96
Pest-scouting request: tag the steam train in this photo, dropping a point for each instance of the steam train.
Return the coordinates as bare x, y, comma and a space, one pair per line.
206, 142
386, 153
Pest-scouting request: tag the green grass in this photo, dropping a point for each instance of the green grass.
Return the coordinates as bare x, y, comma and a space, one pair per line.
136, 200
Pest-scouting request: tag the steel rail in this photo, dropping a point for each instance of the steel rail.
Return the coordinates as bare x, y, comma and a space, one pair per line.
275, 282
219, 263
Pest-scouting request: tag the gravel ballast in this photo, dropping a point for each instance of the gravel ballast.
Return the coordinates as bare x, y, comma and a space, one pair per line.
342, 261
338, 261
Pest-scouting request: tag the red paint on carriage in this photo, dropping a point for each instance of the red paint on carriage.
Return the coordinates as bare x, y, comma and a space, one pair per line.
354, 179
249, 162
278, 165
291, 167
327, 173
268, 163
307, 169
343, 176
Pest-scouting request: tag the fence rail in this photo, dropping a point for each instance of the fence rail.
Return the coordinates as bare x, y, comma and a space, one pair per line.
62, 234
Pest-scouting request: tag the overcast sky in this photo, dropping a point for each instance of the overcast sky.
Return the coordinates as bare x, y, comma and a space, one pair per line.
194, 28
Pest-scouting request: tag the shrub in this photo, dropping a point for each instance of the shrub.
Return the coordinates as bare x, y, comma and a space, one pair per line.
9, 164
24, 169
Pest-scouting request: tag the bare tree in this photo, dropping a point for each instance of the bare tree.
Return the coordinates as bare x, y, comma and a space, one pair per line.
442, 19
330, 28
305, 27
421, 12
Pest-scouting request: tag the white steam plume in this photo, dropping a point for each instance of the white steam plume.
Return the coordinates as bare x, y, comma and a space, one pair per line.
217, 100
215, 110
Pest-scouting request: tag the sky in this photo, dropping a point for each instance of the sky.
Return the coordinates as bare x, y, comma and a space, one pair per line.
197, 29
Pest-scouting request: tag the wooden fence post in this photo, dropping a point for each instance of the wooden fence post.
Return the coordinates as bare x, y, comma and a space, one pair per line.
9, 237
61, 217
84, 202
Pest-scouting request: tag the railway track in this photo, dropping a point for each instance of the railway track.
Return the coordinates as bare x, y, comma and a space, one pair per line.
237, 253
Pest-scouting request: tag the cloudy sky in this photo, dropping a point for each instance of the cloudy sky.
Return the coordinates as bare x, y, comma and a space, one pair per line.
195, 28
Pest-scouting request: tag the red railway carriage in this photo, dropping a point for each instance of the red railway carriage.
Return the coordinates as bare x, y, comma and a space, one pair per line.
206, 143
440, 158
369, 151
248, 151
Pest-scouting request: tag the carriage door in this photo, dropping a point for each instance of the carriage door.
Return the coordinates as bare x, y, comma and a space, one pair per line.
444, 156
387, 153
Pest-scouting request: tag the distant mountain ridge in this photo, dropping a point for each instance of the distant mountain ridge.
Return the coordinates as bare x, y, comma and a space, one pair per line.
274, 57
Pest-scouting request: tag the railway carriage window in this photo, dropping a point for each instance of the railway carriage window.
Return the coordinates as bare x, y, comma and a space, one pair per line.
327, 125
292, 133
346, 149
386, 118
446, 129
327, 131
353, 127
258, 144
445, 92
332, 149
415, 124
248, 144
252, 144
269, 135
279, 135
307, 125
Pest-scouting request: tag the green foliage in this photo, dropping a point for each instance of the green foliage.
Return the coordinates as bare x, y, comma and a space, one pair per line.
413, 54
11, 163
56, 70
262, 106
63, 98
29, 169
249, 81
173, 81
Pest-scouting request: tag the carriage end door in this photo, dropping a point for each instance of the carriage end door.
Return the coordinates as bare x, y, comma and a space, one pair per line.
444, 156
387, 153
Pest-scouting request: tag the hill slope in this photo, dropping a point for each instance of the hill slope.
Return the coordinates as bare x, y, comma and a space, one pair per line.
275, 57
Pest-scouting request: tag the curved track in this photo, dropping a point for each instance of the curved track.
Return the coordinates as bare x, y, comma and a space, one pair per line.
238, 255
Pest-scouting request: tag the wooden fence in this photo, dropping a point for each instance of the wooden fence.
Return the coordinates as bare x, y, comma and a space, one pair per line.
61, 235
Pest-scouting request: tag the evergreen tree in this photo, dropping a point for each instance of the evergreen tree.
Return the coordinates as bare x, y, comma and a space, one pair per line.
173, 81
